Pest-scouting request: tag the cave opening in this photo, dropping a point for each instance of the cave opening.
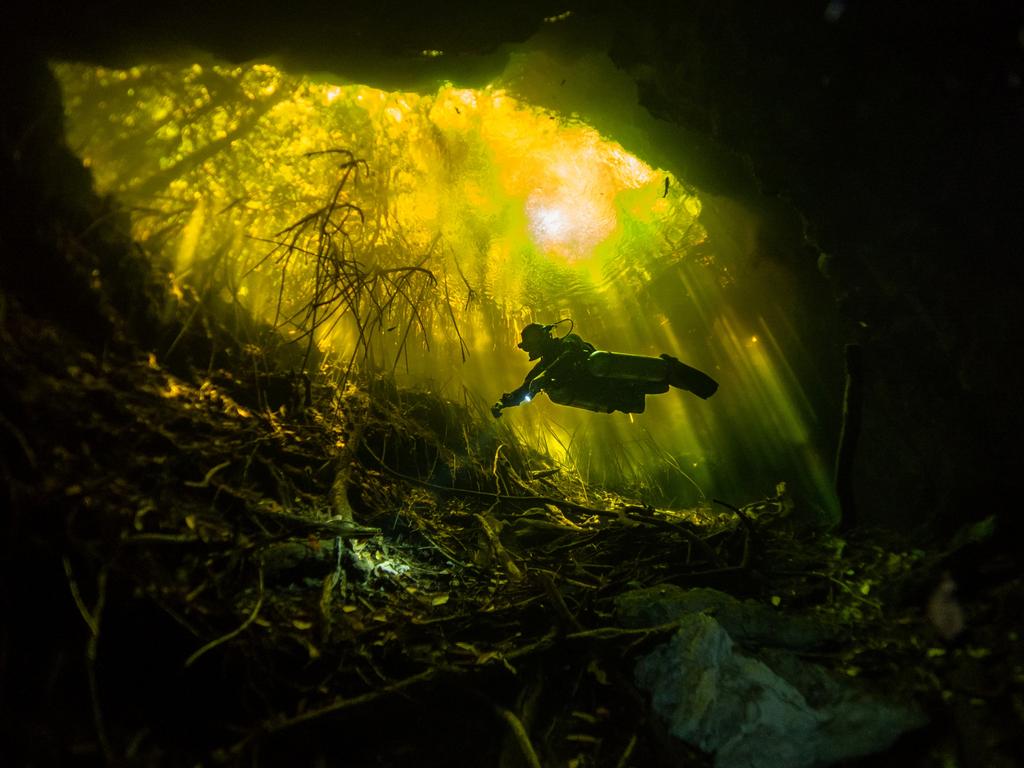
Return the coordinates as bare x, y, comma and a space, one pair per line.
465, 214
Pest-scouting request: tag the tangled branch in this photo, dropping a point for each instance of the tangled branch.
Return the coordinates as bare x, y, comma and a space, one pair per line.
321, 247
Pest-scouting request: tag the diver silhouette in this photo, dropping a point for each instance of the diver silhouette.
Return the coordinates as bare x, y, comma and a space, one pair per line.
573, 372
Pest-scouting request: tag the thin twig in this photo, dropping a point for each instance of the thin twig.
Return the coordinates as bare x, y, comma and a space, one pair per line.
614, 633
205, 482
273, 726
627, 753
234, 633
521, 736
92, 620
744, 518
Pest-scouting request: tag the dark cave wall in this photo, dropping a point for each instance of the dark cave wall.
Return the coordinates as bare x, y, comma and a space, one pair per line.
894, 130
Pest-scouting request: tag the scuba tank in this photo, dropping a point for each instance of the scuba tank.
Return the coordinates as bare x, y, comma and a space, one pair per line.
614, 365
577, 386
620, 398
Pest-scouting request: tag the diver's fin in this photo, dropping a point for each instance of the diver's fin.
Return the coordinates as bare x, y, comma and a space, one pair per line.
682, 376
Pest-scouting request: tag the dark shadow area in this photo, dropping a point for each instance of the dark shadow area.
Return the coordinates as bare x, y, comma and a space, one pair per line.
208, 559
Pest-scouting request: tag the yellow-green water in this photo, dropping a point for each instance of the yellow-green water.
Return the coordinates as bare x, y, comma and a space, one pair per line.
473, 213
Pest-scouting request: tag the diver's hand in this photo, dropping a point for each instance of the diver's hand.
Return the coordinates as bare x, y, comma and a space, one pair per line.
507, 400
512, 399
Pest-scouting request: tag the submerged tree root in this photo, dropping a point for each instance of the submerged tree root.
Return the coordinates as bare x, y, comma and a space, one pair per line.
310, 576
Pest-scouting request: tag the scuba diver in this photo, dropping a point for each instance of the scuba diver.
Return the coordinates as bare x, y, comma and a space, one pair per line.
573, 372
